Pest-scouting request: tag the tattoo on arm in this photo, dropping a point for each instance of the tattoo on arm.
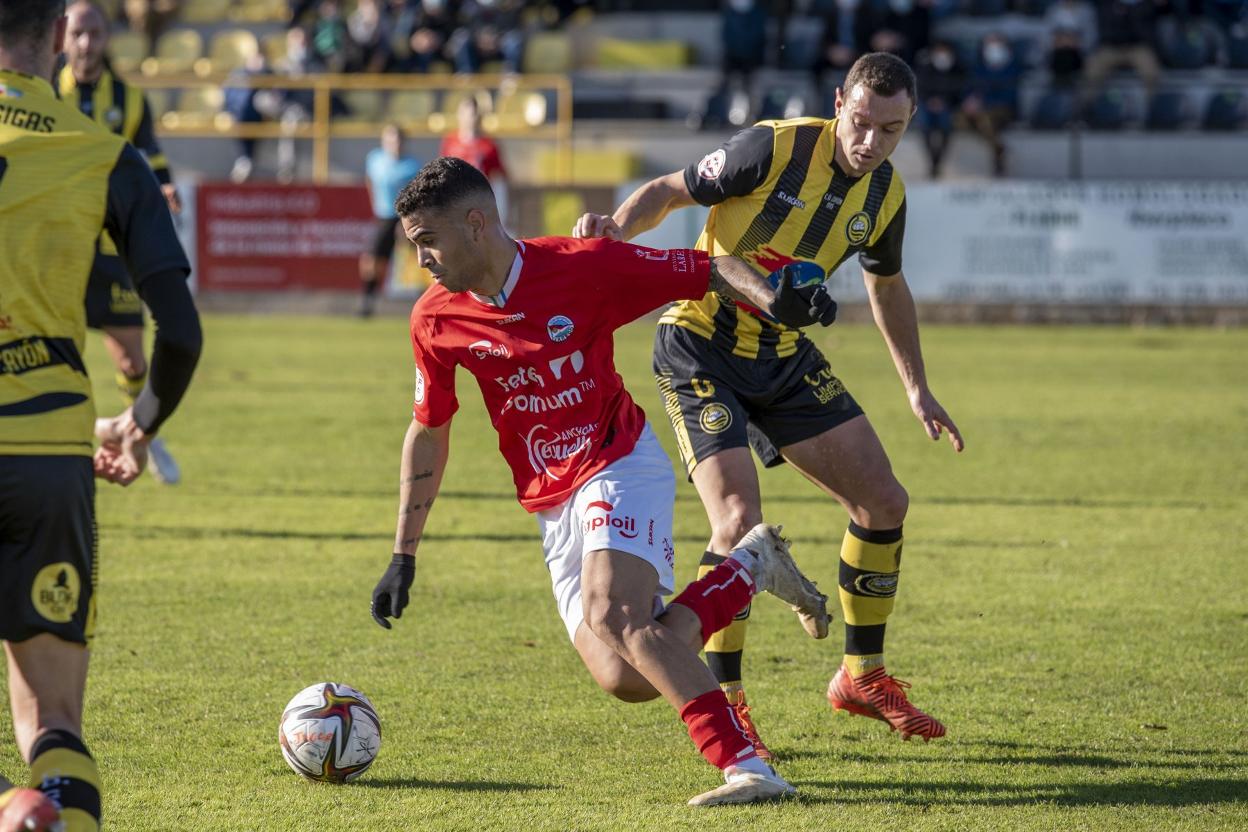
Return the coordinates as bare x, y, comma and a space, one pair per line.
423, 475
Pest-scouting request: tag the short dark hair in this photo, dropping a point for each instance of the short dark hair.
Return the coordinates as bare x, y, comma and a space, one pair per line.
884, 74
440, 184
26, 20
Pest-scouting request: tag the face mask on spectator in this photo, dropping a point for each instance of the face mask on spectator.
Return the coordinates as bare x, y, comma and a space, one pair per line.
901, 6
942, 60
996, 54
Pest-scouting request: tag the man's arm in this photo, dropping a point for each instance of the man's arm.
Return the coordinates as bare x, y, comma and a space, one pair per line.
425, 450
644, 209
790, 305
892, 305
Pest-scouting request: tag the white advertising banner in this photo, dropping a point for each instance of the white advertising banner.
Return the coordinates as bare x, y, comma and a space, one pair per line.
1139, 243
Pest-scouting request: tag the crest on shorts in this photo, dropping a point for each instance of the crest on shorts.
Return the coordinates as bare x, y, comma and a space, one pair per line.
858, 229
715, 418
55, 592
712, 165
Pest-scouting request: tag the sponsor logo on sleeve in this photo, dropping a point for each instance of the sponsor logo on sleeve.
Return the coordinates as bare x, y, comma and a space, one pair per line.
420, 387
488, 349
712, 165
559, 328
858, 228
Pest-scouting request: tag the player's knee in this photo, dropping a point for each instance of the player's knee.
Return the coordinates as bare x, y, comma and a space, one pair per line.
733, 523
888, 509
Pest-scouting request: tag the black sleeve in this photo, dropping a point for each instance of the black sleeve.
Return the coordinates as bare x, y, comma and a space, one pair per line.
138, 220
884, 258
145, 140
738, 167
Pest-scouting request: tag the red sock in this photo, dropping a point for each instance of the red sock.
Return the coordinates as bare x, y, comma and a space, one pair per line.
714, 729
718, 596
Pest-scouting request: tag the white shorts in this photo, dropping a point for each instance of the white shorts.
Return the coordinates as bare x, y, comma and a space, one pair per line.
626, 507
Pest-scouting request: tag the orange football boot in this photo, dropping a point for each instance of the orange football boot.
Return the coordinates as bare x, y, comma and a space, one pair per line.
882, 697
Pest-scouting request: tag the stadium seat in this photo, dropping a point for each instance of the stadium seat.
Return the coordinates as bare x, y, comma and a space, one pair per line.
127, 50
158, 99
205, 11
781, 102
1055, 110
1168, 110
362, 106
1225, 111
549, 52
590, 167
228, 51
800, 49
176, 52
1109, 110
274, 47
260, 11
1186, 46
643, 55
411, 108
517, 110
198, 107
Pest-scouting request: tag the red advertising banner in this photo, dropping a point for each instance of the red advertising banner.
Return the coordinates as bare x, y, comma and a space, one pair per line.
270, 237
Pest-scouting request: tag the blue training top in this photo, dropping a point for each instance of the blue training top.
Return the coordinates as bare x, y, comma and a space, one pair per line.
387, 176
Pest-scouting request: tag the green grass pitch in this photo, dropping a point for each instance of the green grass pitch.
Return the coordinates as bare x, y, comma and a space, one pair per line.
1074, 603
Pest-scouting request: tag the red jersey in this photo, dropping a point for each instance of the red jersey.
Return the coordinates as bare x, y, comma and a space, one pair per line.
543, 354
480, 152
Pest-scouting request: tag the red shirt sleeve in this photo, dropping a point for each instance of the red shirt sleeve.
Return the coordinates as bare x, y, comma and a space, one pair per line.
635, 279
434, 401
493, 162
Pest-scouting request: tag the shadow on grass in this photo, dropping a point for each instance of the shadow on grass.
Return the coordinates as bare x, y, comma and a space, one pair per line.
964, 793
449, 785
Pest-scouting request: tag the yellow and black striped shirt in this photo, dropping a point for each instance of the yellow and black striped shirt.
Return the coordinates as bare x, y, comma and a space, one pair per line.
778, 196
62, 178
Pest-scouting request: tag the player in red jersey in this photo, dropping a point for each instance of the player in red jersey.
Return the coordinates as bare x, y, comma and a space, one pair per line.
531, 320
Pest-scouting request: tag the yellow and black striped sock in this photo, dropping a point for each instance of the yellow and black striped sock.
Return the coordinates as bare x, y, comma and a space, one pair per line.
63, 769
724, 648
130, 387
870, 564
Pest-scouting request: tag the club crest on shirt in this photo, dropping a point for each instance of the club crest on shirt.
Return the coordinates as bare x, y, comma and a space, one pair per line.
9, 92
559, 328
858, 228
712, 165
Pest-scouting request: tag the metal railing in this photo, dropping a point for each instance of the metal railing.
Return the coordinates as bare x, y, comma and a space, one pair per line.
321, 127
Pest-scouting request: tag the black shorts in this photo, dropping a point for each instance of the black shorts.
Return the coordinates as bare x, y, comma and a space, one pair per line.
717, 400
47, 547
111, 299
384, 238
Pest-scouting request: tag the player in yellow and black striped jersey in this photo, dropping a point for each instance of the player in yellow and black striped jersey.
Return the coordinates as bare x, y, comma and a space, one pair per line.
63, 178
88, 83
730, 379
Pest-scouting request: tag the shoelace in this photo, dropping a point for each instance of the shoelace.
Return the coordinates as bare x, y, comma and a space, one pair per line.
892, 689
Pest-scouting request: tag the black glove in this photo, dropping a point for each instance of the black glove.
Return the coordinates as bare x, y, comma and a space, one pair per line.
799, 306
390, 594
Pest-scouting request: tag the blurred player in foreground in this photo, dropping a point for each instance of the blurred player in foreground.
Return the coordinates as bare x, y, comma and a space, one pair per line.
387, 171
532, 321
62, 178
784, 191
87, 82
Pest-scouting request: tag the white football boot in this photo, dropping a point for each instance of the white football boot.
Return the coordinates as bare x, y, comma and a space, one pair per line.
778, 574
164, 467
741, 786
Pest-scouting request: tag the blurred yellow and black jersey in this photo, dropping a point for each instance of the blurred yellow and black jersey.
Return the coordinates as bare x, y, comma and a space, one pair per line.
778, 196
56, 167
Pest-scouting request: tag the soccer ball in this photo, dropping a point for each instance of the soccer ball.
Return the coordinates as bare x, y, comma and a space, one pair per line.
329, 733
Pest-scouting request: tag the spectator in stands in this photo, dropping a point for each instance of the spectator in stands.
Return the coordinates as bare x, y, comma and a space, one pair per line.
941, 79
330, 40
369, 29
298, 8
906, 28
387, 170
246, 104
743, 29
1076, 16
992, 103
471, 145
1066, 58
1126, 30
490, 31
847, 32
429, 27
1227, 13
151, 17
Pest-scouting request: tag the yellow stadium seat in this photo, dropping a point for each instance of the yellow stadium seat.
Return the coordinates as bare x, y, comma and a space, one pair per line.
518, 110
229, 50
260, 11
198, 107
158, 100
205, 11
127, 50
590, 167
364, 106
548, 52
274, 47
560, 211
411, 108
176, 52
643, 55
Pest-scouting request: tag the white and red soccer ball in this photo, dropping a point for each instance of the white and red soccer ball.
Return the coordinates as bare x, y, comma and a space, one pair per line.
330, 733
